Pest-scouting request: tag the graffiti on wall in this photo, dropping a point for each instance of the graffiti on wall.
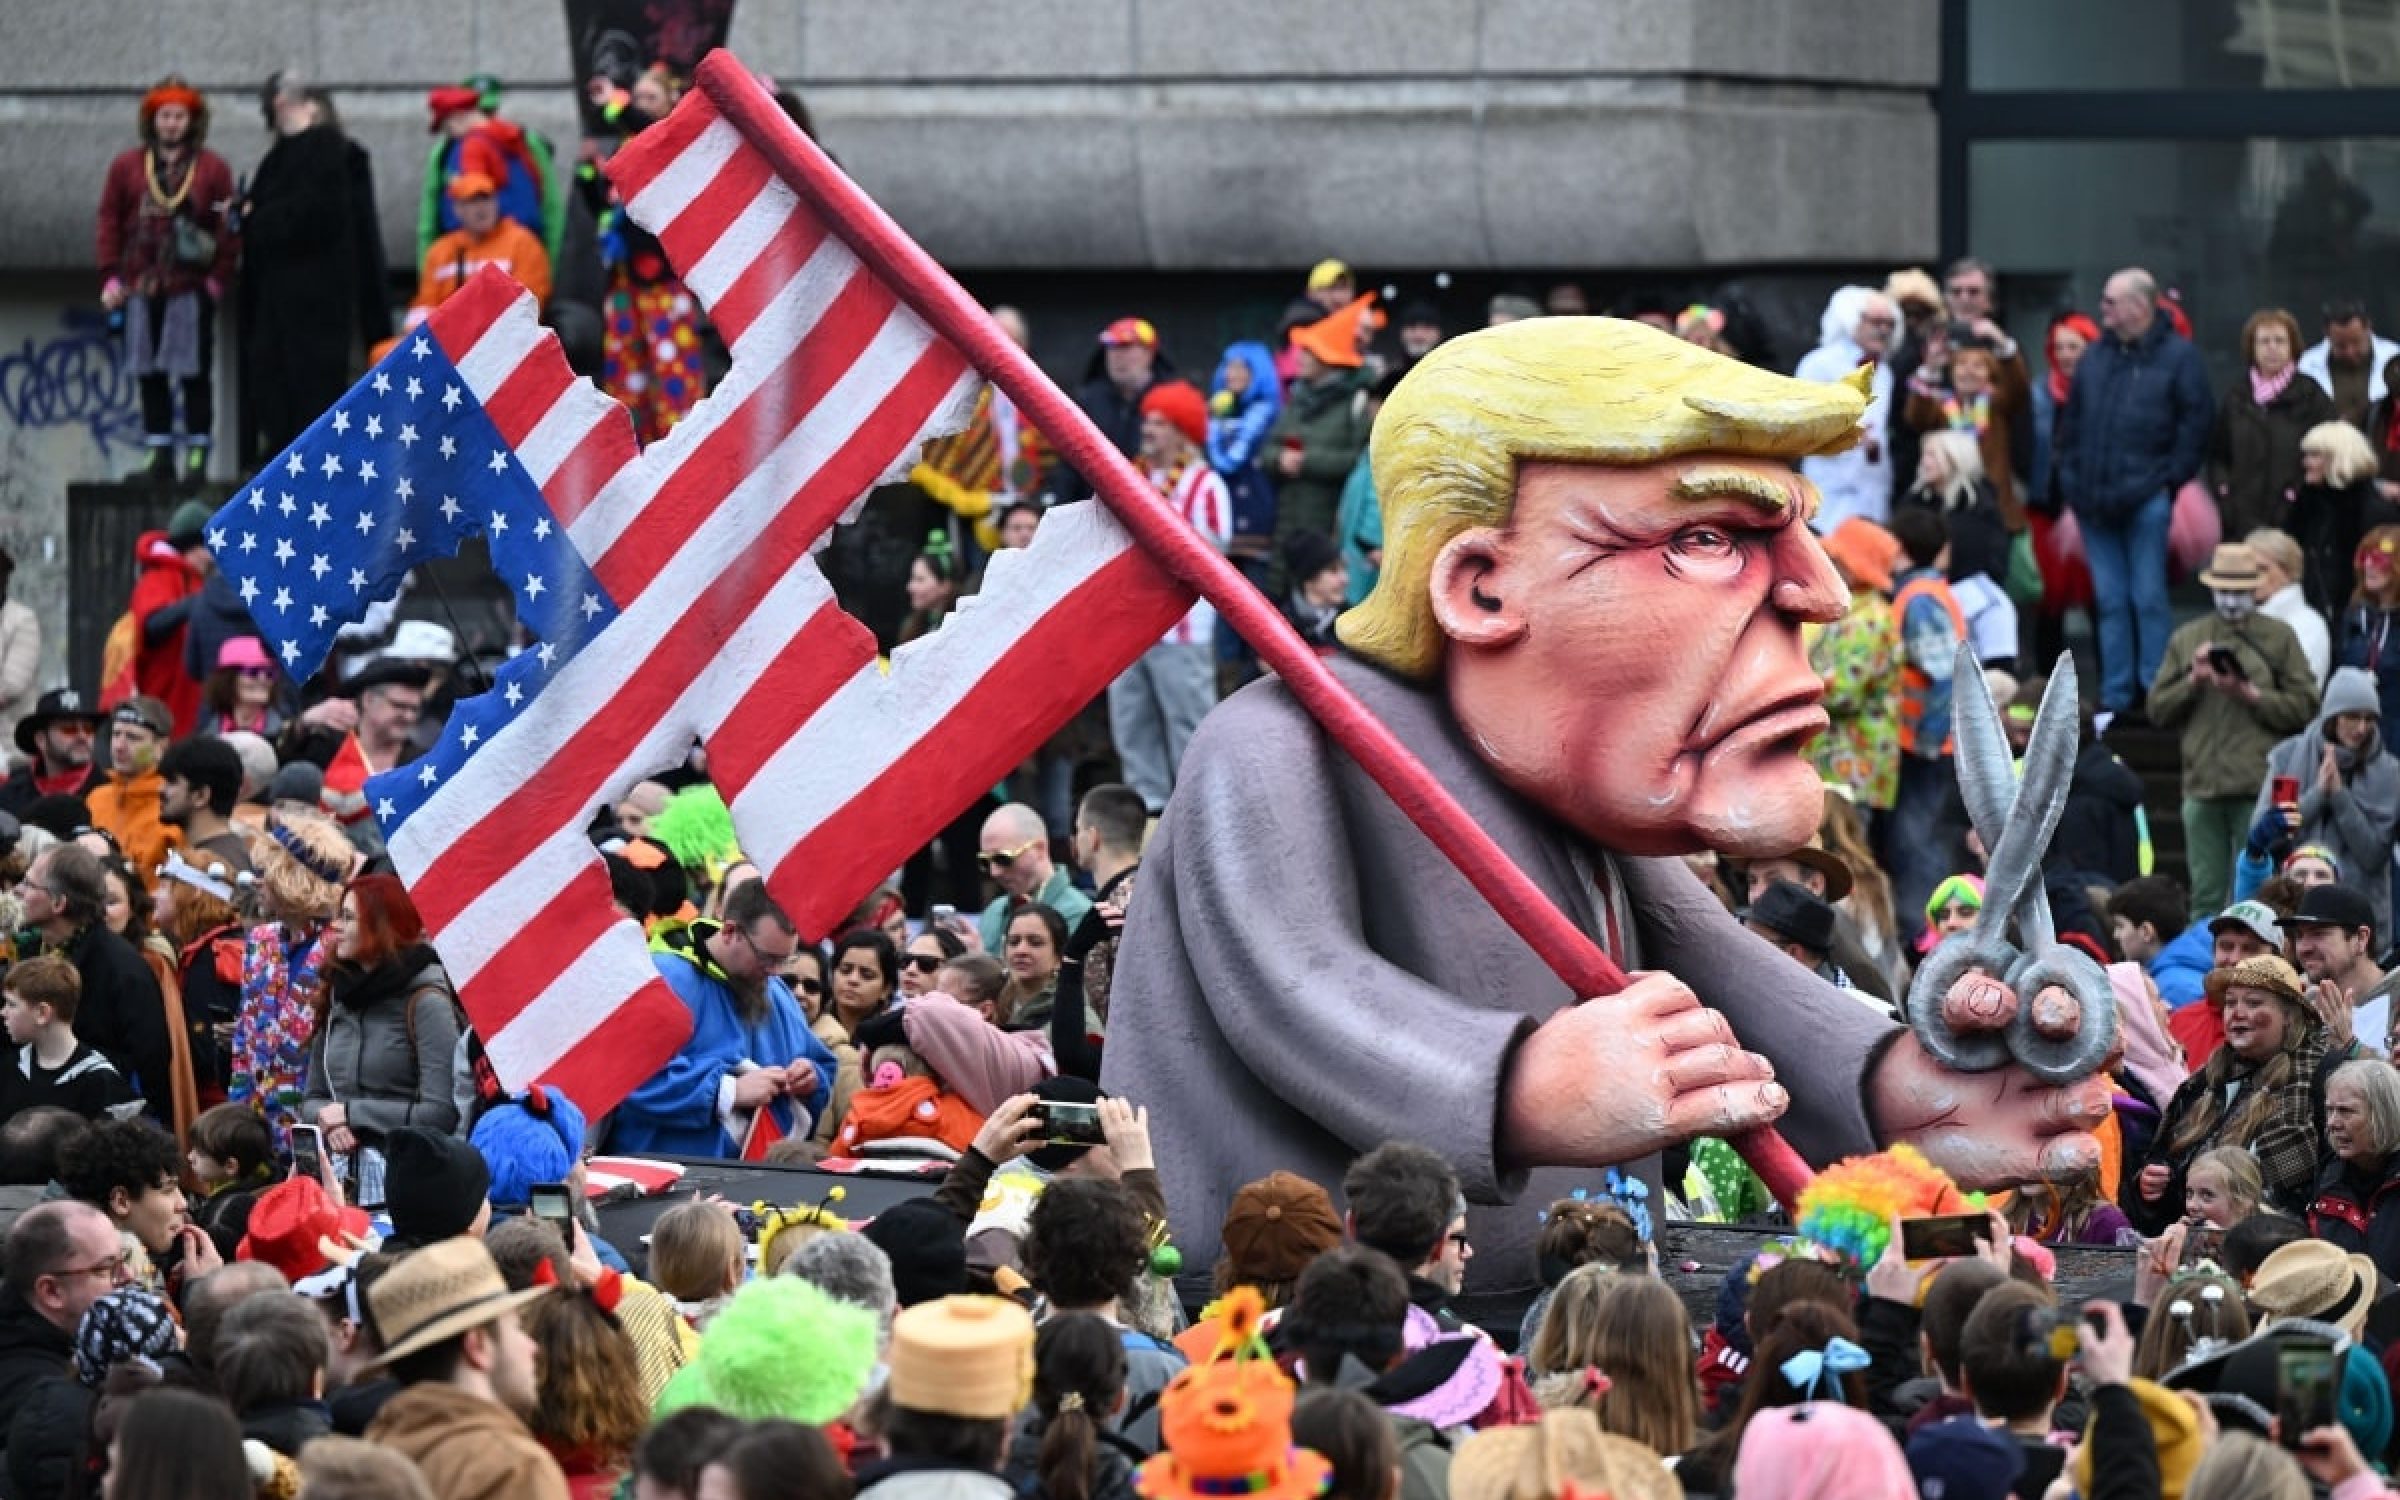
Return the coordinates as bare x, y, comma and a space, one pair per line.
73, 379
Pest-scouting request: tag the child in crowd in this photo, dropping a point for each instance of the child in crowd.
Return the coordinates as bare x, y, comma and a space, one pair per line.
699, 1259
51, 1066
2222, 1188
232, 1161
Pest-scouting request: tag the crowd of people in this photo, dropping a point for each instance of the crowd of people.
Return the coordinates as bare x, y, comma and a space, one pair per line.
274, 1226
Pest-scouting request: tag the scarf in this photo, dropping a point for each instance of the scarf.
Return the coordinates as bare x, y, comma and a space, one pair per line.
1973, 414
2149, 1053
354, 988
2265, 388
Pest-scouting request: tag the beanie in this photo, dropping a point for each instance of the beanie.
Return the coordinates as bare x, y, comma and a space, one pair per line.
927, 1246
532, 1138
1308, 553
1182, 405
434, 1184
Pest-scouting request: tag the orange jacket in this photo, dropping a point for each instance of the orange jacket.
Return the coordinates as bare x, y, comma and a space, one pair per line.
127, 806
459, 254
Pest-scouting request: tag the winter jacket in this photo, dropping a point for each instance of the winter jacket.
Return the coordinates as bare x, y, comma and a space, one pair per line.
218, 615
1113, 1461
2360, 1211
2290, 605
385, 1047
2368, 639
288, 1427
2355, 819
2225, 739
2180, 969
163, 588
47, 1434
20, 659
1117, 415
121, 1011
2316, 362
1858, 481
2288, 1142
981, 1063
1328, 420
2099, 833
2328, 524
468, 1448
2254, 452
2136, 425
127, 806
32, 1350
1237, 432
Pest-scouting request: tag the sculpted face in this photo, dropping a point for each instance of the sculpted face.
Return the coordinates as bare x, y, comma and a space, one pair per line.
1626, 652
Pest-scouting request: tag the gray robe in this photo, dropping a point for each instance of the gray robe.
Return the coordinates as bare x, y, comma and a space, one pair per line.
1306, 977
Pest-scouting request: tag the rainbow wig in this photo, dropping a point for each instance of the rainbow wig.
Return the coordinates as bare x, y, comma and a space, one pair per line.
1850, 1207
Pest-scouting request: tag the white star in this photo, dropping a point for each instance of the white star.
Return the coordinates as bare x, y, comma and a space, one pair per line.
282, 599
427, 775
383, 387
591, 605
318, 515
366, 522
295, 466
541, 528
450, 398
258, 498
414, 388
384, 808
545, 651
216, 539
449, 507
406, 539
514, 694
468, 736
284, 551
249, 541
366, 471
499, 523
534, 585
499, 464
317, 616
449, 446
420, 348
248, 590
358, 581
332, 465
406, 488
319, 565
285, 504
341, 421
291, 652
408, 432
375, 424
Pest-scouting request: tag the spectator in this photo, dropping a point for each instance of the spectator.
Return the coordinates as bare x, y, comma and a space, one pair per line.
2014, 1378
2233, 683
1405, 1201
381, 1050
270, 1361
1320, 432
1981, 398
52, 1065
200, 782
128, 1169
1632, 1329
1859, 658
2202, 1306
2338, 503
2133, 432
1069, 1451
300, 259
1228, 1426
1932, 627
453, 1339
1273, 1229
303, 865
1016, 855
699, 1259
2063, 346
20, 653
2348, 363
1858, 328
120, 1010
1798, 922
849, 1268
2334, 938
200, 922
2349, 793
2354, 1206
435, 1186
59, 1427
1350, 1432
711, 1097
1033, 949
178, 1445
127, 805
2316, 1281
959, 1375
1086, 1244
347, 1468
475, 138
1126, 362
56, 741
2257, 1090
1358, 520
232, 1160
166, 254
1156, 704
59, 1259
2366, 624
485, 236
1781, 1377
651, 343
241, 692
2254, 449
668, 1461
777, 1460
2280, 596
1579, 1232
589, 1408
362, 729
1244, 398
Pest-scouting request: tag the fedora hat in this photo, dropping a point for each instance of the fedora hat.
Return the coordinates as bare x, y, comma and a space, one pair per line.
2232, 566
2315, 1280
438, 1293
1792, 912
57, 706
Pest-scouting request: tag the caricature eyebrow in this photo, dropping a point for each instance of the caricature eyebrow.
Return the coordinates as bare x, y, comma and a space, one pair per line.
1727, 483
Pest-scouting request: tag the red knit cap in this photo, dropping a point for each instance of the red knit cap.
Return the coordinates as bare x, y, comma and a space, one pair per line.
448, 100
1182, 404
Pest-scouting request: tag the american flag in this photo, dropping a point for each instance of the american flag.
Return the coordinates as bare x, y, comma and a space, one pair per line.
675, 596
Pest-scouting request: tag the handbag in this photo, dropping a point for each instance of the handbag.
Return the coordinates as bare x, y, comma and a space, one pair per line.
191, 247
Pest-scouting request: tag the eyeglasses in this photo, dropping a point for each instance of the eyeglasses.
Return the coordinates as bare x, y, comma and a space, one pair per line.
996, 860
1458, 1237
923, 963
118, 1271
765, 956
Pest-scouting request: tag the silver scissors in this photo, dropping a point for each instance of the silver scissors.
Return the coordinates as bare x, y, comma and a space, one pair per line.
2061, 1015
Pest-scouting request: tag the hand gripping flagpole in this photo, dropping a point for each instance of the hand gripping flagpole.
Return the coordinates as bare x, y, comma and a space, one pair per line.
1567, 949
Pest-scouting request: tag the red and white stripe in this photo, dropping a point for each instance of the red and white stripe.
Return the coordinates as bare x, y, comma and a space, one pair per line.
1201, 499
835, 770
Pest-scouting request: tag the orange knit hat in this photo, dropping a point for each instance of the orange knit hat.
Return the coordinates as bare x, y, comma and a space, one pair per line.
1228, 1424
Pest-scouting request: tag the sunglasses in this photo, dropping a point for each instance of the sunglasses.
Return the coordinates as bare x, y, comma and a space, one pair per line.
996, 860
923, 963
259, 673
809, 986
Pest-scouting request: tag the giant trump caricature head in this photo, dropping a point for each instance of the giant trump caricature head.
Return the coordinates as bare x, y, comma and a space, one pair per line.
1595, 542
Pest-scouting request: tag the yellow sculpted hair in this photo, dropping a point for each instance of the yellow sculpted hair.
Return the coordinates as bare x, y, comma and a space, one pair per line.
1564, 390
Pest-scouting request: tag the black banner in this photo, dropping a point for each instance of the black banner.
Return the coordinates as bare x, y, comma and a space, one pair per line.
617, 39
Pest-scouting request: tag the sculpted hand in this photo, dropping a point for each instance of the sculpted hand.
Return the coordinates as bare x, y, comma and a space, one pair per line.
1987, 1130
1622, 1075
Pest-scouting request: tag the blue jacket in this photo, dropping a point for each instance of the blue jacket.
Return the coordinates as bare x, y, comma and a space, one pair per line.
1237, 430
675, 1112
2136, 424
2180, 968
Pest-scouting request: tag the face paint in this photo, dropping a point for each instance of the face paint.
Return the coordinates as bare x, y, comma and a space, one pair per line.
2233, 604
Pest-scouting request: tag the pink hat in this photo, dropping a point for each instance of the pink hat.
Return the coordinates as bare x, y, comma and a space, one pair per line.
242, 651
1817, 1452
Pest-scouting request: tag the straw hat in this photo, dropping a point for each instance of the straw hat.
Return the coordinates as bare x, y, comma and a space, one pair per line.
438, 1293
966, 1357
2315, 1279
2265, 971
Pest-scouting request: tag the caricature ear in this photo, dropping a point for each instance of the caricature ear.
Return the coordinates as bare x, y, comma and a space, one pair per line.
1473, 600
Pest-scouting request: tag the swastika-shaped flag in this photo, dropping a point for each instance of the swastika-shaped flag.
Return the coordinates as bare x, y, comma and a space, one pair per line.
675, 595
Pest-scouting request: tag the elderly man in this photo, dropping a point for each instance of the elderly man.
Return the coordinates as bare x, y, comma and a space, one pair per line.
1857, 329
1016, 854
60, 1258
2132, 432
1588, 626
121, 1011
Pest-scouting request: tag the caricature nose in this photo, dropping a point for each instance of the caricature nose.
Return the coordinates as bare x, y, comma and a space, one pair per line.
1806, 585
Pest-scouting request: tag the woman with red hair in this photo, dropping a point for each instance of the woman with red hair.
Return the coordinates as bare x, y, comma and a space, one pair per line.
387, 1027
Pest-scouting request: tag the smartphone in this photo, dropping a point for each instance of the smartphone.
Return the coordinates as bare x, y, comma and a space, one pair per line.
2306, 1377
308, 1153
2223, 659
1065, 1124
1943, 1235
554, 1204
945, 912
2203, 1242
2284, 792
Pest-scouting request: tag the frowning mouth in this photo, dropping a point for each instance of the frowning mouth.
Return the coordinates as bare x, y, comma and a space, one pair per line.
1783, 725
